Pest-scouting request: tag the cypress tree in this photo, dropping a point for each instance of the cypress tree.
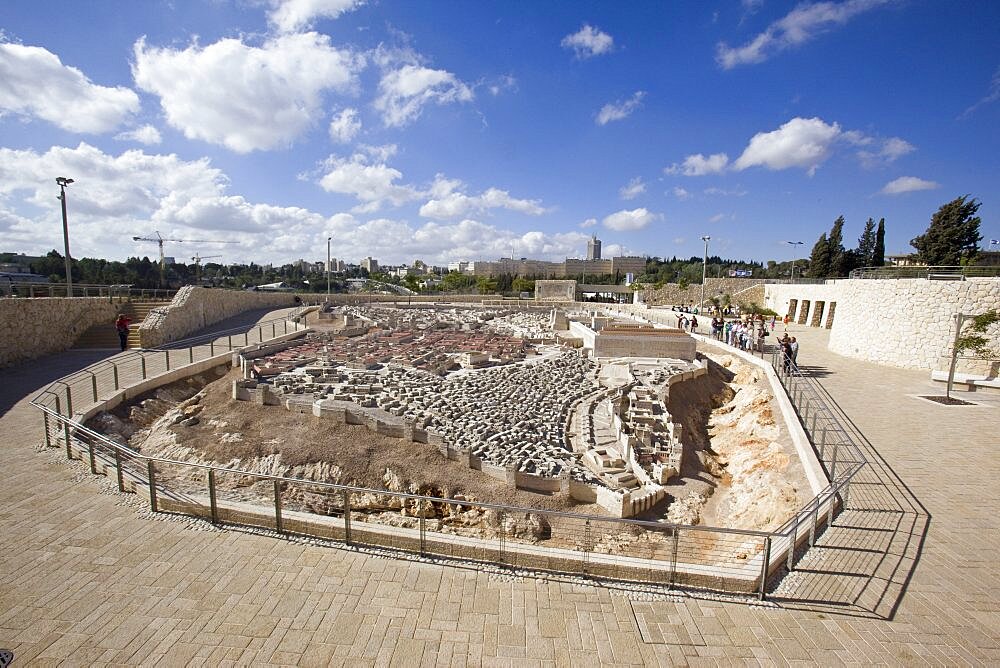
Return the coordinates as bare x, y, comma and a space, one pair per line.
819, 260
878, 253
839, 262
866, 244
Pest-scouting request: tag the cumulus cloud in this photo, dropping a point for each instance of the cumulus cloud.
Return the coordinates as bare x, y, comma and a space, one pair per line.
799, 26
888, 152
244, 97
680, 193
723, 192
449, 201
632, 189
700, 165
407, 86
627, 221
35, 83
908, 184
368, 179
590, 222
344, 126
588, 42
801, 142
147, 134
618, 110
294, 15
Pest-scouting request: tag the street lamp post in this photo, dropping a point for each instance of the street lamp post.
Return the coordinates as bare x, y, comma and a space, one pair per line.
328, 268
793, 244
63, 182
704, 267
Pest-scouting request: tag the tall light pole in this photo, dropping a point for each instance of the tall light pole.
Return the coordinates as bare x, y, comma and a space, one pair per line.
793, 244
704, 267
63, 182
328, 268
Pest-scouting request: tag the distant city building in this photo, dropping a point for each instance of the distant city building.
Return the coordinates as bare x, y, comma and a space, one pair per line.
594, 248
619, 266
370, 265
461, 266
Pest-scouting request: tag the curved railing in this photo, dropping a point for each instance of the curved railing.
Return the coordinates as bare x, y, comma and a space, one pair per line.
942, 272
733, 560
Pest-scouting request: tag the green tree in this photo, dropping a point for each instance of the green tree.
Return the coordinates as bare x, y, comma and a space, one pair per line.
522, 284
953, 235
866, 244
878, 253
840, 260
486, 285
819, 260
412, 282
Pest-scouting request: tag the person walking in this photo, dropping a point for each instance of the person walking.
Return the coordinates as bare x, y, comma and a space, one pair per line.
694, 323
786, 353
122, 325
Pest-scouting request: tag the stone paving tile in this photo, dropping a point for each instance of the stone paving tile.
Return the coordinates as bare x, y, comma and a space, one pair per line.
87, 579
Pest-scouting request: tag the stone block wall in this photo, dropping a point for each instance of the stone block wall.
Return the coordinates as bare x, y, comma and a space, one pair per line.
194, 308
557, 291
905, 323
741, 291
31, 328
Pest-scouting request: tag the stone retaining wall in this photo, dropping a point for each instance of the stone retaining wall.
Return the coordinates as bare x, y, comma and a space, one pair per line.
905, 323
31, 328
194, 308
741, 290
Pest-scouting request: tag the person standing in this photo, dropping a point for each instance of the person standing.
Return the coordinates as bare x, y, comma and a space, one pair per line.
122, 325
793, 346
694, 323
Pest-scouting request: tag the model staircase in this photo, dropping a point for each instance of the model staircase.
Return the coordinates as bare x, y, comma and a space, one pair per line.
104, 335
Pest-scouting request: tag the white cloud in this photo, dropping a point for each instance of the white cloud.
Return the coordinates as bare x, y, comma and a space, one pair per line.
891, 149
618, 110
147, 134
801, 142
590, 222
991, 96
717, 218
405, 90
344, 126
699, 165
908, 184
504, 83
722, 192
368, 179
632, 189
627, 221
34, 82
680, 193
294, 15
448, 201
588, 42
797, 27
244, 97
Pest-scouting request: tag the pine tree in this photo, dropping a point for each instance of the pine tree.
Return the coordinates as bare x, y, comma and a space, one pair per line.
866, 244
953, 235
819, 260
878, 253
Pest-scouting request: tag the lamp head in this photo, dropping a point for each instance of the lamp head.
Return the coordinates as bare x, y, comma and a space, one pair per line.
63, 181
706, 238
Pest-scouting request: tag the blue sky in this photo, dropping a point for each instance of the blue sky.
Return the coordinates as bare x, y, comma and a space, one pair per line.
464, 130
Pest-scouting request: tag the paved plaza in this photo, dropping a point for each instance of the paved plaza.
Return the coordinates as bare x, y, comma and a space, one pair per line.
907, 575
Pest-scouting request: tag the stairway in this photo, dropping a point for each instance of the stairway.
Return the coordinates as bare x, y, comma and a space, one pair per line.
104, 335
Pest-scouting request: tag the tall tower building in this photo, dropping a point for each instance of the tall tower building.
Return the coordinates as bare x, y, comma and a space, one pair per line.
594, 248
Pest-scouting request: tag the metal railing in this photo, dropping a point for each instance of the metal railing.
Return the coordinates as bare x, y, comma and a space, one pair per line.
123, 291
733, 560
928, 272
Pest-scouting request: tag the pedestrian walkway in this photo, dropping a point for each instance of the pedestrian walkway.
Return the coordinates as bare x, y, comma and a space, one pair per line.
89, 576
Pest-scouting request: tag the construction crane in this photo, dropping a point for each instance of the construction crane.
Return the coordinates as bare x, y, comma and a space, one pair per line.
197, 265
159, 239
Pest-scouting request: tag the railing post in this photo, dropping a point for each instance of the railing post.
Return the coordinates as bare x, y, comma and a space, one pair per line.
763, 567
69, 402
191, 355
45, 422
347, 516
812, 523
230, 337
114, 369
142, 358
211, 348
260, 333
790, 563
166, 358
118, 470
211, 496
93, 380
673, 558
277, 507
503, 536
151, 474
423, 529
833, 462
93, 456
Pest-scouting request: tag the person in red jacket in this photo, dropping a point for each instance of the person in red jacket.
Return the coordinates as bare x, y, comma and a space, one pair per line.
121, 324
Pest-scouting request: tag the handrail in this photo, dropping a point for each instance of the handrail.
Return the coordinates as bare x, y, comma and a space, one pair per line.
929, 272
810, 400
31, 289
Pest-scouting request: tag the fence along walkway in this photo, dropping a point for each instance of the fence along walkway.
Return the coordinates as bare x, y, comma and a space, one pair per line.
726, 559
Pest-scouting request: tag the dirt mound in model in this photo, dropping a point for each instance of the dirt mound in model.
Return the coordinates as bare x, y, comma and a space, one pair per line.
197, 420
